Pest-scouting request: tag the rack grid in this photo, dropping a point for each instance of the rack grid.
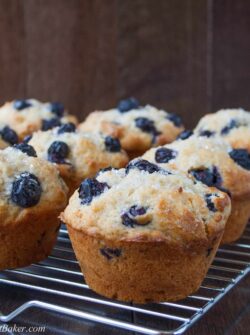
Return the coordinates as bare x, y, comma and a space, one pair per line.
60, 281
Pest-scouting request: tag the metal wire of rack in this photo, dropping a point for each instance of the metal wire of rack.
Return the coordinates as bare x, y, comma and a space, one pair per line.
59, 278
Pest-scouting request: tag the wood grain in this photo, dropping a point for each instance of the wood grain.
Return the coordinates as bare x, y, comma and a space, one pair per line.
162, 54
190, 57
231, 53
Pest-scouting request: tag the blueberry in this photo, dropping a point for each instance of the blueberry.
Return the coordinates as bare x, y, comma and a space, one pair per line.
27, 138
9, 135
210, 204
110, 253
164, 155
112, 144
128, 104
129, 217
210, 177
241, 157
57, 108
57, 152
232, 124
184, 134
21, 104
26, 190
146, 125
128, 221
143, 165
67, 128
50, 123
89, 189
206, 133
175, 119
137, 210
26, 148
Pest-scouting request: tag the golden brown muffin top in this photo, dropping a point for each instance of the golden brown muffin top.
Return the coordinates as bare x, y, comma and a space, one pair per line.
27, 116
78, 155
28, 185
232, 124
138, 128
210, 160
147, 203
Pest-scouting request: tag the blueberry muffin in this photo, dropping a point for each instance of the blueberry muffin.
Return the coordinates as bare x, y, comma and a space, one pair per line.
137, 127
7, 136
31, 197
215, 163
145, 233
232, 124
78, 155
27, 116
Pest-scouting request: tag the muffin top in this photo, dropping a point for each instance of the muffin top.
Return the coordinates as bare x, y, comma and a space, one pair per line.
27, 116
28, 186
138, 127
209, 160
232, 124
145, 202
78, 155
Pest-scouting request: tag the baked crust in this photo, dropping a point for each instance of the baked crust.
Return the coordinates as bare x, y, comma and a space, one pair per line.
87, 154
28, 120
122, 126
145, 271
28, 234
165, 259
219, 123
3, 144
201, 152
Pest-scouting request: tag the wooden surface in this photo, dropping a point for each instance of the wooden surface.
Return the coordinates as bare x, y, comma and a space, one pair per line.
189, 57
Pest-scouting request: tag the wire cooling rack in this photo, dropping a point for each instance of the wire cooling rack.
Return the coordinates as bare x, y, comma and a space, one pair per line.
58, 288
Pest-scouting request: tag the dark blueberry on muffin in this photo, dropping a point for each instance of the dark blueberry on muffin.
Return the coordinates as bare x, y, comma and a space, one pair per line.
127, 220
132, 217
27, 138
9, 135
50, 124
210, 204
143, 165
57, 108
137, 210
26, 190
110, 253
206, 133
21, 104
210, 177
67, 128
57, 152
26, 148
164, 155
145, 125
232, 124
241, 157
112, 144
184, 134
89, 189
127, 104
175, 119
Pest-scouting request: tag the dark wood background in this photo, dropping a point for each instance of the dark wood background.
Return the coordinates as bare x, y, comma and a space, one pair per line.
188, 56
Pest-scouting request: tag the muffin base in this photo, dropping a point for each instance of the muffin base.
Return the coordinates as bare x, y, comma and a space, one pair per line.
142, 272
237, 221
28, 241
